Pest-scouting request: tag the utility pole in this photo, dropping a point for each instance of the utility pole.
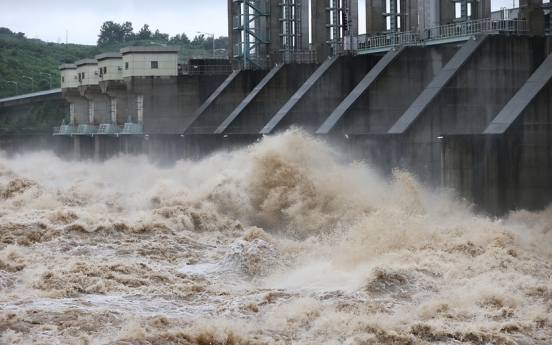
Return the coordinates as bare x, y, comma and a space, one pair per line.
13, 82
49, 75
32, 82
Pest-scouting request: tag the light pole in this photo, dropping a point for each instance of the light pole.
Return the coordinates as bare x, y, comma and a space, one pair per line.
49, 75
205, 33
32, 81
13, 82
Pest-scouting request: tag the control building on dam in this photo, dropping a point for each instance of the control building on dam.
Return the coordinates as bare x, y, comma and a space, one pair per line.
445, 89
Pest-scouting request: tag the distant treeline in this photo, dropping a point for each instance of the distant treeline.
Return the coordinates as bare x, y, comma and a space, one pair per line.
112, 32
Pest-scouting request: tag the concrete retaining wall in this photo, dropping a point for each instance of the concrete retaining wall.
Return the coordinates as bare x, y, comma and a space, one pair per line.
473, 97
228, 99
169, 102
328, 91
395, 89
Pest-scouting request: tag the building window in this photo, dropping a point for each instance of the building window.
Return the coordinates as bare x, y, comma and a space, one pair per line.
62, 79
154, 64
82, 75
126, 65
105, 70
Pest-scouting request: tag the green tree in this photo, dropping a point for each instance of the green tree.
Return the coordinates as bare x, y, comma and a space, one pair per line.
159, 36
180, 39
128, 34
221, 42
208, 43
184, 39
144, 33
198, 40
111, 32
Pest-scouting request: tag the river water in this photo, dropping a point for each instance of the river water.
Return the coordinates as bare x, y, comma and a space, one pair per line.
279, 243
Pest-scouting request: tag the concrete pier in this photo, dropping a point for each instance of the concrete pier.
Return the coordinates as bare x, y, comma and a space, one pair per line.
267, 98
223, 101
325, 89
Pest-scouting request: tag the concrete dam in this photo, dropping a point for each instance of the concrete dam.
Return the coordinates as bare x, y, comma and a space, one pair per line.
454, 94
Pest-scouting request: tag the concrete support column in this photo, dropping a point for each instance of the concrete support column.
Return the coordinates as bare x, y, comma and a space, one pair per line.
91, 111
140, 108
76, 148
72, 114
375, 21
97, 140
429, 14
447, 12
409, 17
353, 17
113, 109
118, 95
273, 53
78, 108
105, 147
83, 148
98, 103
119, 98
304, 10
319, 31
531, 10
233, 35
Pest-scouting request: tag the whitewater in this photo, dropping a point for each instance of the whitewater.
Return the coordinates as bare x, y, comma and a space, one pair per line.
282, 242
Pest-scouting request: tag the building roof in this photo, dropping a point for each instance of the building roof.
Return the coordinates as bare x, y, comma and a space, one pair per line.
148, 49
86, 62
67, 66
109, 56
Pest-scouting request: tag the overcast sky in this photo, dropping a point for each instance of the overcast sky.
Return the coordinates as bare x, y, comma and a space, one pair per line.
50, 20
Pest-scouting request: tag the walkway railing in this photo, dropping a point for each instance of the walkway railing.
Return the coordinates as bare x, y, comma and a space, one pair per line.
254, 62
299, 57
191, 69
129, 128
444, 33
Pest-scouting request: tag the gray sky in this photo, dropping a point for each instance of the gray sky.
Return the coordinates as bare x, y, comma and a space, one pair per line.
50, 20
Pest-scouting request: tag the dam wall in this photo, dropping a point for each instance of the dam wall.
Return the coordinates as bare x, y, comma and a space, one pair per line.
169, 103
327, 87
473, 116
272, 93
212, 113
466, 96
394, 89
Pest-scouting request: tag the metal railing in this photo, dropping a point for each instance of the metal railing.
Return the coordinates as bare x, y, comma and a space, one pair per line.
83, 129
64, 130
128, 128
475, 27
191, 69
132, 128
108, 128
254, 62
299, 57
390, 40
445, 32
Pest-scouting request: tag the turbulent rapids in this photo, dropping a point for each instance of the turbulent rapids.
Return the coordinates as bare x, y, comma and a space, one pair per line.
279, 243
